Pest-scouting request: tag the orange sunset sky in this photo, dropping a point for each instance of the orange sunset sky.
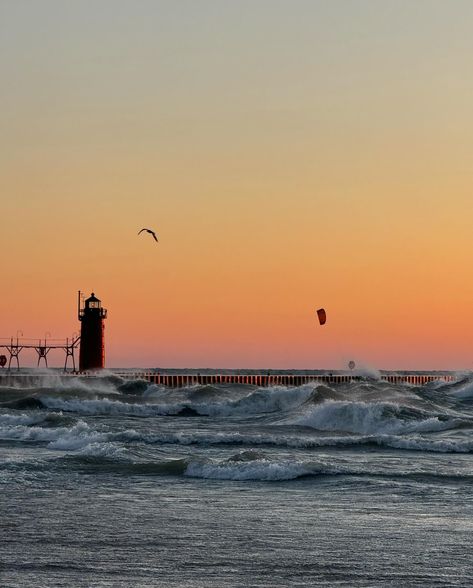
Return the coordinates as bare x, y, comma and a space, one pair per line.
290, 155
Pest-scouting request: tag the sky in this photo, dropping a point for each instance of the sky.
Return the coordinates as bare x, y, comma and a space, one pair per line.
290, 154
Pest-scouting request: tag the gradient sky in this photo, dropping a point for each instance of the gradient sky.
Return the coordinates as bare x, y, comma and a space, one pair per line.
290, 154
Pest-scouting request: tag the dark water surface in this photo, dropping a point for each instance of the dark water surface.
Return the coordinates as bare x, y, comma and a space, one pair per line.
129, 484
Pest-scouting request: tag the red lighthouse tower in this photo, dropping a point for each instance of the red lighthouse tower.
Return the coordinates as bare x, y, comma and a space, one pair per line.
92, 348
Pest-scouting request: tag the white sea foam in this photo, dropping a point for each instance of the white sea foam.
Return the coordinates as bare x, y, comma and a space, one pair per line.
413, 442
257, 402
105, 450
261, 469
97, 406
44, 379
77, 437
81, 436
62, 438
22, 419
251, 466
367, 418
234, 438
367, 372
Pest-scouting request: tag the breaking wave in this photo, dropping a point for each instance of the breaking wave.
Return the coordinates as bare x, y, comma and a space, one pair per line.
413, 443
197, 402
134, 428
371, 418
82, 436
79, 437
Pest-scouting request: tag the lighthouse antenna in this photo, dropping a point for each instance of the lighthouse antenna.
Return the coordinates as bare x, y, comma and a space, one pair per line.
78, 304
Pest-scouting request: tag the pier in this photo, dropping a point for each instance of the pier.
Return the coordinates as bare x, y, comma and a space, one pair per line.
176, 379
264, 380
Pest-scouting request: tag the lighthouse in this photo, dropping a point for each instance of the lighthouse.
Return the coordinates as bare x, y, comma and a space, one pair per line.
92, 347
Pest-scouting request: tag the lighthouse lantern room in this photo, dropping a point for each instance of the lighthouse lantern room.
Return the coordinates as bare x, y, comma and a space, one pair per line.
92, 346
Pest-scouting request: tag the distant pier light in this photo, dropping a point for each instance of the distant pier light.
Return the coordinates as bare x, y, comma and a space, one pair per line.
92, 342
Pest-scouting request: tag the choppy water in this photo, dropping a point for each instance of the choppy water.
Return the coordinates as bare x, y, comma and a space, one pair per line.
116, 483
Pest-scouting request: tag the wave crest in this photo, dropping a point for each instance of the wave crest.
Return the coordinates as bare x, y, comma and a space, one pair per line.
371, 418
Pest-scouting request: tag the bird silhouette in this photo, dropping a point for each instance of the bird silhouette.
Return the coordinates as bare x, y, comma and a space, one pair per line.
150, 232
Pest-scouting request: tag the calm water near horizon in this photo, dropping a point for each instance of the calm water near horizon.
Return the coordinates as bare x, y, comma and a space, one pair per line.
123, 483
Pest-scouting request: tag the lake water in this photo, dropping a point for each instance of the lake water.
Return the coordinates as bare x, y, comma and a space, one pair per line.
114, 483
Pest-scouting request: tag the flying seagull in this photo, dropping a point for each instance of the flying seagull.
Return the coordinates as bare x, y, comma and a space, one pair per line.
151, 233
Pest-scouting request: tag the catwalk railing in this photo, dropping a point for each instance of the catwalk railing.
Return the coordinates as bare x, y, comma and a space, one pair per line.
15, 345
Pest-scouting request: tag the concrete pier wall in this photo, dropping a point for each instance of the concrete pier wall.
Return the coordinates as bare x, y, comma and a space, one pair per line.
177, 380
265, 380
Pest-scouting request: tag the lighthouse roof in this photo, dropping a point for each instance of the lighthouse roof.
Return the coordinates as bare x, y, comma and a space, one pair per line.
92, 298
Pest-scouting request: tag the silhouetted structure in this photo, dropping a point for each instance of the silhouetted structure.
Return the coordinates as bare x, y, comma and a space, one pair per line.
92, 348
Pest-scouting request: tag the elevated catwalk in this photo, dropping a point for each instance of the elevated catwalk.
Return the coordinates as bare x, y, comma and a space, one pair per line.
174, 379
